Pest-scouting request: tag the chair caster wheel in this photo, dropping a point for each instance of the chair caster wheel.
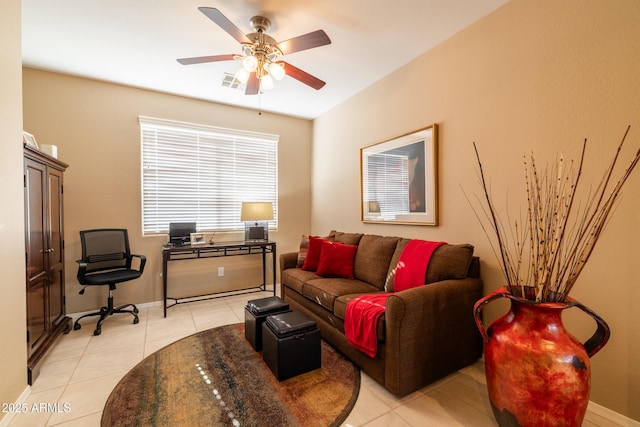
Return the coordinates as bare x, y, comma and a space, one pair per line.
136, 321
97, 332
76, 326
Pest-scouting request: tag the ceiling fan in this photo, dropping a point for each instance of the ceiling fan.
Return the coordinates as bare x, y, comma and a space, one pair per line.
261, 53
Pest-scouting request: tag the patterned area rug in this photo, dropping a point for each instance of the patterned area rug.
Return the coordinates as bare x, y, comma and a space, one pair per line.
215, 378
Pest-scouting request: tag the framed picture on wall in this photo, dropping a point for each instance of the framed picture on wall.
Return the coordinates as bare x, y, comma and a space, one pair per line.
399, 179
29, 140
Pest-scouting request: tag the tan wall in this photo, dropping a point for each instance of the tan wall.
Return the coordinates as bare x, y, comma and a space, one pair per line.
13, 332
534, 75
95, 126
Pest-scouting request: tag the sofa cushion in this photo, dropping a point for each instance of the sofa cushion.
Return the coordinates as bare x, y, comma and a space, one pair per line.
340, 310
295, 278
347, 238
336, 260
313, 253
450, 262
373, 257
324, 291
447, 262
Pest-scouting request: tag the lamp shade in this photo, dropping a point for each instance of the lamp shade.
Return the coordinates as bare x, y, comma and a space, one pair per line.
256, 211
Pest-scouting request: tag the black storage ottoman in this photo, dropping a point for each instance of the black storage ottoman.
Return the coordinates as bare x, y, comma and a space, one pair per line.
291, 344
255, 313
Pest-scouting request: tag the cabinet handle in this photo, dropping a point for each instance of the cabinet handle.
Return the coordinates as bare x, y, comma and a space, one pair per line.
49, 250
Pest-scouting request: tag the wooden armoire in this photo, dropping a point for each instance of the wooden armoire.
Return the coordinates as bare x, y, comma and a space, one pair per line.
44, 252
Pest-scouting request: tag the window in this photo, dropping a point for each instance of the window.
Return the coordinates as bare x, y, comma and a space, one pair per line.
203, 174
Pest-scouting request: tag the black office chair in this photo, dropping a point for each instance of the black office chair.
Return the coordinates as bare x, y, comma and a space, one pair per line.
107, 260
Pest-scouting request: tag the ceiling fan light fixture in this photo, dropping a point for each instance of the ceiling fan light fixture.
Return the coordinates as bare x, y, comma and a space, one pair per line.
247, 49
242, 75
250, 63
260, 53
277, 70
266, 82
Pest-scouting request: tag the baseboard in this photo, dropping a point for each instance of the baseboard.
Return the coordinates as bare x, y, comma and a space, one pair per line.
609, 415
6, 420
231, 293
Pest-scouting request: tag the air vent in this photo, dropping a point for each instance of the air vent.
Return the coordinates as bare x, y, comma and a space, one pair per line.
230, 81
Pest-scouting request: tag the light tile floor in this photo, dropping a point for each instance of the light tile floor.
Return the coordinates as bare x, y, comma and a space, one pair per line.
81, 370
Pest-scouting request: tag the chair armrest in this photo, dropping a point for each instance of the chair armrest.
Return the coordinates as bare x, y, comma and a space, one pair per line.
143, 261
288, 260
430, 332
82, 271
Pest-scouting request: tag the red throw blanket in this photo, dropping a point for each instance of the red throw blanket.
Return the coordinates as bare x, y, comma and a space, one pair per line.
412, 265
361, 317
361, 321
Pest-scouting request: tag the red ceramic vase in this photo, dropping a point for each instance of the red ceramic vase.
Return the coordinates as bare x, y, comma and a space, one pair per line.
537, 373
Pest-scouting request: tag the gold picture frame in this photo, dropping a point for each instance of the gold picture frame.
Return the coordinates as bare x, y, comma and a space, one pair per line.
399, 179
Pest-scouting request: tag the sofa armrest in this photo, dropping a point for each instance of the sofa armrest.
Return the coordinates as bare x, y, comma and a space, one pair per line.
430, 333
288, 260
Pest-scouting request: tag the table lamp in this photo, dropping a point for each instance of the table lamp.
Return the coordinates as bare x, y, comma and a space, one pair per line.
255, 216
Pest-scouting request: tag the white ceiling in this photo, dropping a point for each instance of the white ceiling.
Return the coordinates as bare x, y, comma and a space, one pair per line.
137, 42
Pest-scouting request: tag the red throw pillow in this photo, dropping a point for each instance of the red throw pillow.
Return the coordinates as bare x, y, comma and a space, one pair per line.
336, 260
313, 253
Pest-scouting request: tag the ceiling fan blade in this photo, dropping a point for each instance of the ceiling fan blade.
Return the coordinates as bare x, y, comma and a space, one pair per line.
304, 42
216, 16
203, 59
253, 85
303, 76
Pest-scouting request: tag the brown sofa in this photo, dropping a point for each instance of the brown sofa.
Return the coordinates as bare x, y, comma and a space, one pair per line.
426, 332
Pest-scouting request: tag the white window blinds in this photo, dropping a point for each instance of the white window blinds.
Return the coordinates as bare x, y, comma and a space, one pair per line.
203, 174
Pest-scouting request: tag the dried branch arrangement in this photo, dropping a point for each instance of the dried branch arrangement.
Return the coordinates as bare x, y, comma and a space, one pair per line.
543, 254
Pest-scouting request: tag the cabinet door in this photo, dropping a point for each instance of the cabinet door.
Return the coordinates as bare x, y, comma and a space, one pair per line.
55, 248
36, 246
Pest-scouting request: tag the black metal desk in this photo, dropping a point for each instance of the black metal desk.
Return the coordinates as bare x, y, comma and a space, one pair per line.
177, 253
